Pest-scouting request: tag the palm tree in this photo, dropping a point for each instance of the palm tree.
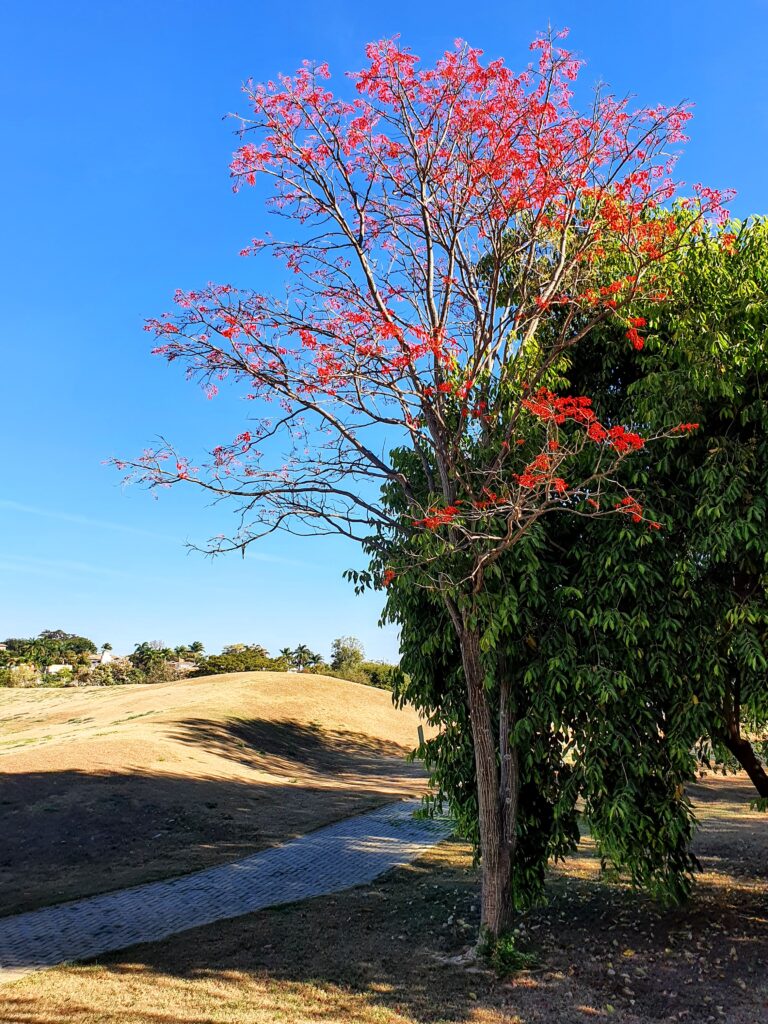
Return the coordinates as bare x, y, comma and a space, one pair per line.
42, 652
285, 655
197, 647
301, 657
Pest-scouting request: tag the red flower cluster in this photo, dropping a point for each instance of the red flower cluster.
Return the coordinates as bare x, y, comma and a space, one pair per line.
549, 406
618, 437
635, 338
389, 575
728, 242
685, 428
490, 500
555, 409
632, 507
536, 472
438, 517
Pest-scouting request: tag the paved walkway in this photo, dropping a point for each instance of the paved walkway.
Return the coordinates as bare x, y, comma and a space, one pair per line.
349, 853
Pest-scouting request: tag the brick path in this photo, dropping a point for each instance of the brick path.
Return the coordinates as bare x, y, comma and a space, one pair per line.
351, 852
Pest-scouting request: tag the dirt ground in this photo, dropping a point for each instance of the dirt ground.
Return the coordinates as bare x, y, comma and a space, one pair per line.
102, 788
390, 953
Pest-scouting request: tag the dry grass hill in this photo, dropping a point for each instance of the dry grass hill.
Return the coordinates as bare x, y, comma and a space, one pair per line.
107, 787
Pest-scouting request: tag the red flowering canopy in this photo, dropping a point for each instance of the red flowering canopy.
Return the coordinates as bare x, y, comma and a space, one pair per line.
452, 225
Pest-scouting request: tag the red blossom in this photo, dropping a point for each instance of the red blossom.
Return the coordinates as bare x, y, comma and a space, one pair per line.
631, 507
635, 338
684, 428
437, 517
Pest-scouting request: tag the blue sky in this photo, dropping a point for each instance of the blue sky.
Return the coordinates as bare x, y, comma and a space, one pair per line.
115, 192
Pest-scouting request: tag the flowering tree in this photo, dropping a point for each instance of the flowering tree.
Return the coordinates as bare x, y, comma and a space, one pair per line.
449, 226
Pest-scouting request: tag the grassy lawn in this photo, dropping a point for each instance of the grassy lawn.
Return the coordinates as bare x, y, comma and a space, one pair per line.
390, 953
104, 788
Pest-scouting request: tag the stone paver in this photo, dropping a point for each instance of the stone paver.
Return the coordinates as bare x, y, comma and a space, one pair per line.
351, 852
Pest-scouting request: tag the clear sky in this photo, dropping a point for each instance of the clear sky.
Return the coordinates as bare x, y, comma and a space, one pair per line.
115, 191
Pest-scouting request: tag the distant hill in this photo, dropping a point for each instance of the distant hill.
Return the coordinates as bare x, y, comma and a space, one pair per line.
110, 786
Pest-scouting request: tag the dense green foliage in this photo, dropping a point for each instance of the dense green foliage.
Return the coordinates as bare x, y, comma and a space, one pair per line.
346, 652
694, 601
29, 661
239, 658
50, 647
622, 650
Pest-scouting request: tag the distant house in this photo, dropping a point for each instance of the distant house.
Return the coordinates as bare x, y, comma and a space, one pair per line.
184, 667
101, 658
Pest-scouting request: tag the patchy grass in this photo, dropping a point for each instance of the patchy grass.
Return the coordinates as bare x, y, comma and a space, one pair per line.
109, 787
394, 952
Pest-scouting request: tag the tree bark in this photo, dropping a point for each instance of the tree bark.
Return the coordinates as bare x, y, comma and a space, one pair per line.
744, 753
497, 790
740, 746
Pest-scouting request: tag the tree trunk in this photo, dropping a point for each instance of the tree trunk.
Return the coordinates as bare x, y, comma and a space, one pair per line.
497, 791
739, 746
744, 753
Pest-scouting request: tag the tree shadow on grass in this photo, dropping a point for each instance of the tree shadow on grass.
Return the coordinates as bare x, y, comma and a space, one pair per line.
386, 952
383, 953
74, 833
734, 790
284, 746
70, 834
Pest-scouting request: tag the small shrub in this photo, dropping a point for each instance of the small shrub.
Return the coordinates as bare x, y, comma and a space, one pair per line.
504, 954
116, 673
162, 672
54, 680
370, 673
23, 675
380, 674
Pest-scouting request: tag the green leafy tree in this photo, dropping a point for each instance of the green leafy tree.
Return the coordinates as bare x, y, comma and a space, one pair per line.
237, 658
149, 655
346, 653
698, 592
573, 730
285, 657
625, 650
68, 642
42, 652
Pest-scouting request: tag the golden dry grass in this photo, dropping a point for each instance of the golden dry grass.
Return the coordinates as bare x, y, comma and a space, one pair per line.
387, 953
108, 787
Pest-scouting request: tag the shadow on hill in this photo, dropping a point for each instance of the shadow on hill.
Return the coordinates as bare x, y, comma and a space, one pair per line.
68, 834
280, 747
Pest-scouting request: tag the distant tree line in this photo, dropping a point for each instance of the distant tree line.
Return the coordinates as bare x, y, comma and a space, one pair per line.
57, 658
